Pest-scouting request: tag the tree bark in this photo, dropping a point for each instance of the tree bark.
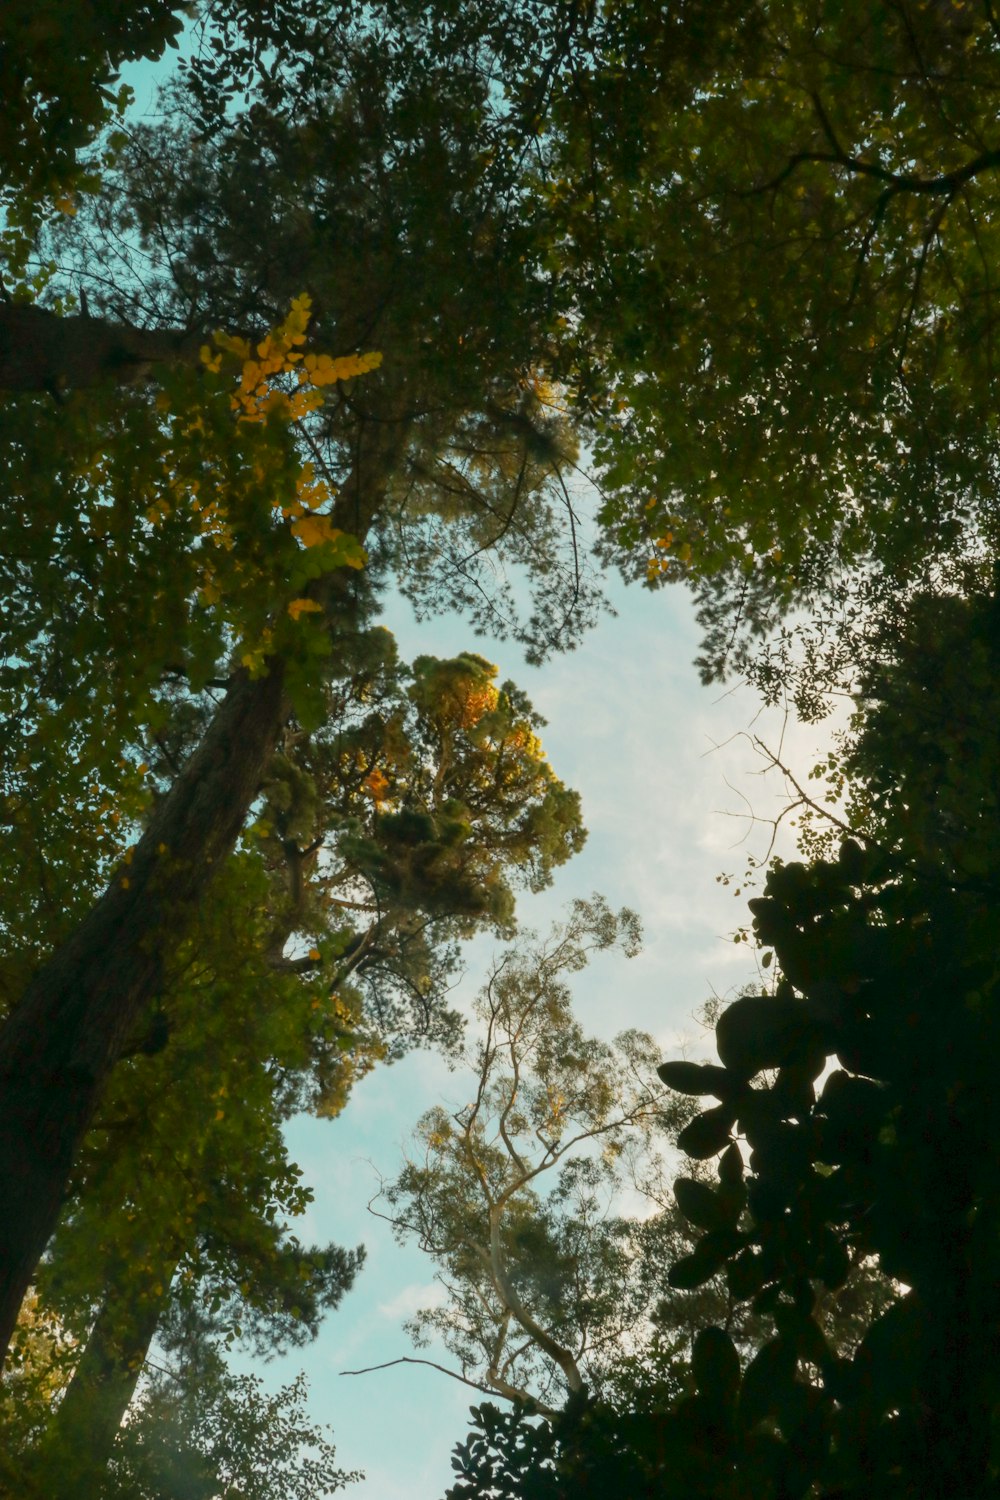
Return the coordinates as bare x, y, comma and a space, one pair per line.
73, 1459
69, 1027
40, 351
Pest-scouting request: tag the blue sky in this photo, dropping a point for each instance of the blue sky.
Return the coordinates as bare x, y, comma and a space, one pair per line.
663, 768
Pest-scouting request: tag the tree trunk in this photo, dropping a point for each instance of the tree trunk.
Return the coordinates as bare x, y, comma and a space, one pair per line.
73, 1459
68, 1029
557, 1352
40, 351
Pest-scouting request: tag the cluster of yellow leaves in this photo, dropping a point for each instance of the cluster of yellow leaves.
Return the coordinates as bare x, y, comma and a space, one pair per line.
214, 523
310, 492
312, 531
259, 397
321, 369
376, 784
255, 659
279, 353
658, 563
525, 744
38, 1351
304, 607
273, 379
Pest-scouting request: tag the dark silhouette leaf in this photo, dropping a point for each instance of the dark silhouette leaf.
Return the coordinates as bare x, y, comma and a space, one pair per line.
715, 1365
698, 1078
763, 1031
707, 1133
701, 1205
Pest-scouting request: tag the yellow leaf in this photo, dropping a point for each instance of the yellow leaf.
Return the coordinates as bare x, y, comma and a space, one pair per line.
324, 371
66, 205
304, 607
314, 953
313, 530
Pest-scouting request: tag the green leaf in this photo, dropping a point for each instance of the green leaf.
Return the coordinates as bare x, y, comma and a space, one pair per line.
715, 1365
731, 1169
746, 1274
766, 1382
706, 1260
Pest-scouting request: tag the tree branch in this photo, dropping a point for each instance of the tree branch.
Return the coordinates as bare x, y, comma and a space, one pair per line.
499, 1388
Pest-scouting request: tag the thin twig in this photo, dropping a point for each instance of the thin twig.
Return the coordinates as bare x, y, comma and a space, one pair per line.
487, 1390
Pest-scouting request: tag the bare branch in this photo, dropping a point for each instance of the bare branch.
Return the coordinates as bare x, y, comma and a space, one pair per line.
498, 1388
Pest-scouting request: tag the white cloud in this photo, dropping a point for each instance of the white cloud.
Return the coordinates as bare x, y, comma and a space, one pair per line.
411, 1299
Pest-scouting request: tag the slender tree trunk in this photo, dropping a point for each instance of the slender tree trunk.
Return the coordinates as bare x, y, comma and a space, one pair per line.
73, 1459
68, 1030
557, 1352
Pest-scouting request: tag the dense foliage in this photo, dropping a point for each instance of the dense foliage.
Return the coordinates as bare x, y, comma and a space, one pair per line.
346, 317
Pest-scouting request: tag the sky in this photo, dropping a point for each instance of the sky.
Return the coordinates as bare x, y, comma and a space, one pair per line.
667, 776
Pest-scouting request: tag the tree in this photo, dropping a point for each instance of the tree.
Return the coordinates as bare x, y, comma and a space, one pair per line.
643, 1424
197, 1430
182, 510
454, 435
537, 1278
888, 965
228, 1438
793, 212
552, 1293
860, 1094
393, 829
58, 71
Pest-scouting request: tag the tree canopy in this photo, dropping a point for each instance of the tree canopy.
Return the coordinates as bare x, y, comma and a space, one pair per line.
226, 788
794, 210
349, 316
512, 1195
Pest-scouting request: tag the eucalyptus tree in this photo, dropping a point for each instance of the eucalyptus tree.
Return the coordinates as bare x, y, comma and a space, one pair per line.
519, 1195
